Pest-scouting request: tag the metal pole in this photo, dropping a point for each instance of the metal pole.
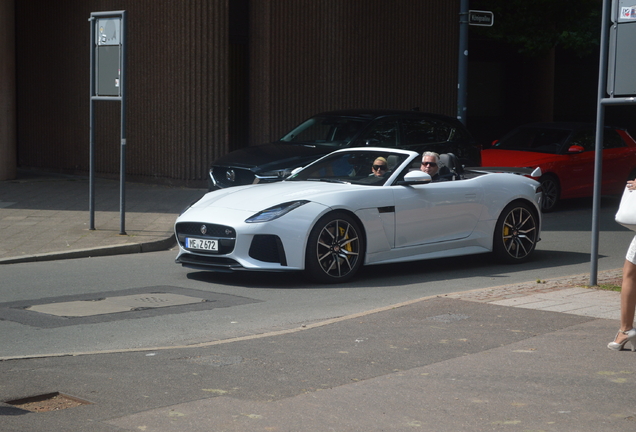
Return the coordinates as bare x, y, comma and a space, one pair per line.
91, 151
122, 92
121, 98
462, 76
600, 126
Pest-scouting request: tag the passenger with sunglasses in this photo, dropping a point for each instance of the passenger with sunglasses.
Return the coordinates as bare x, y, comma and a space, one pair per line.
430, 165
380, 167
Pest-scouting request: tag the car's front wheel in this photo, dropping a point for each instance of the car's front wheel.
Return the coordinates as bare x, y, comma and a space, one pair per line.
516, 233
551, 192
335, 249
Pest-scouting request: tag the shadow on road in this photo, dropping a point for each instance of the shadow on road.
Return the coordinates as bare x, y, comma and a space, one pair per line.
443, 269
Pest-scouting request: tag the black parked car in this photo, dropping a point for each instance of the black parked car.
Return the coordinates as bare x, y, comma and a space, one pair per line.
329, 131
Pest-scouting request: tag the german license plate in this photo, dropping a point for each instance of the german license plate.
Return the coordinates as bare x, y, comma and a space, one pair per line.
200, 244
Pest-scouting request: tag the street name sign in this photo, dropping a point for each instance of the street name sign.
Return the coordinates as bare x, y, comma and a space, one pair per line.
481, 18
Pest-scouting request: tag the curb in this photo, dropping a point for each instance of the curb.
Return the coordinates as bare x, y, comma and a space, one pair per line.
154, 246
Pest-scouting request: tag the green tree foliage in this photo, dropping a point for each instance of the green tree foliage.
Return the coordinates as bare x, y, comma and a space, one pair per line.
536, 26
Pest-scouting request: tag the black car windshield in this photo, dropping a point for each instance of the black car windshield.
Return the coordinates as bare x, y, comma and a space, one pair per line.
535, 139
326, 130
370, 168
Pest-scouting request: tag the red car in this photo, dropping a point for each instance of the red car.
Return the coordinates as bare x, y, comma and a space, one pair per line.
565, 154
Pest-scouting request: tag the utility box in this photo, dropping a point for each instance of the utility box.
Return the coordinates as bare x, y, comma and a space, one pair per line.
621, 76
108, 56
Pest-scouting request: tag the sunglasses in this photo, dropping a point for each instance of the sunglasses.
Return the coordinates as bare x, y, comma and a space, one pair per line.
379, 167
432, 164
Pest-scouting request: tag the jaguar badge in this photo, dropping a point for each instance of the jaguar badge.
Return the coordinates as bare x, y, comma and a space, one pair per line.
230, 175
204, 229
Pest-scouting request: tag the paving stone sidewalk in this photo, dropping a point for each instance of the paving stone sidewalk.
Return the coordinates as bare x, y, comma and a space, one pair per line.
568, 295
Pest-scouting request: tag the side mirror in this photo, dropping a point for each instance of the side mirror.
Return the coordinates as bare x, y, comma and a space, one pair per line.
576, 149
415, 177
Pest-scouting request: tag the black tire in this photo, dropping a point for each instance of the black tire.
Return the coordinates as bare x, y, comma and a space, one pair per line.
551, 192
516, 233
335, 249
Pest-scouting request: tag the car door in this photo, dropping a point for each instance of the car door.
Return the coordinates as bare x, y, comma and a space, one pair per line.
436, 212
577, 174
617, 162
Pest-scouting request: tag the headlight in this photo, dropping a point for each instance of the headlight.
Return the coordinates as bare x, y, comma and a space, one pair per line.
275, 212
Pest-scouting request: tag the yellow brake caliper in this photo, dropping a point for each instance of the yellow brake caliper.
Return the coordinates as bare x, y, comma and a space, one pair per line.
342, 234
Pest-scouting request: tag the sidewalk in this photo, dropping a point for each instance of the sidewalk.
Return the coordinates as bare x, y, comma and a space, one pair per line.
441, 364
45, 217
519, 357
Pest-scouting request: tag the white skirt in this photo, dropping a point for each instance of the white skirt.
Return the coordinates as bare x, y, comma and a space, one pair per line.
631, 252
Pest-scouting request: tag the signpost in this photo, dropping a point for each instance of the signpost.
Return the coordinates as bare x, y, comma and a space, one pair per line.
107, 83
615, 78
467, 17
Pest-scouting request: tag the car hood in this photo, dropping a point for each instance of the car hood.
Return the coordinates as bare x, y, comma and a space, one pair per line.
254, 198
272, 156
515, 158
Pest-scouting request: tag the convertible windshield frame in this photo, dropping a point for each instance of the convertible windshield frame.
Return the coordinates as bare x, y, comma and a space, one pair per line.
354, 167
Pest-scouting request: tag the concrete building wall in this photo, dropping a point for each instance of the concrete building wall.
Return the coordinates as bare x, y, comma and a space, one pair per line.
183, 81
8, 167
176, 88
310, 56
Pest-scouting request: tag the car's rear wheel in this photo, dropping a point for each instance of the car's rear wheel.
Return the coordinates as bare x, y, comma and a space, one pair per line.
516, 233
551, 192
335, 249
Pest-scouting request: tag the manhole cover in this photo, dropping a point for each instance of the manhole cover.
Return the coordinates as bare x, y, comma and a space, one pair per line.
48, 402
114, 304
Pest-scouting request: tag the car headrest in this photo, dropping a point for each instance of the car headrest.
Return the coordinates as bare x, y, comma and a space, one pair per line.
392, 161
452, 162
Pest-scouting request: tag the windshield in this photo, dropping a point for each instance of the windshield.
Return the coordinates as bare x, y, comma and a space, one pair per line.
540, 140
332, 131
371, 168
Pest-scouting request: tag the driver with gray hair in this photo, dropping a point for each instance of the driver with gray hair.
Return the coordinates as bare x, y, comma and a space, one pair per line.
431, 165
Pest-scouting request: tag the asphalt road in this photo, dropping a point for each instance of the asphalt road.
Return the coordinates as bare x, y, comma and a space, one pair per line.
232, 305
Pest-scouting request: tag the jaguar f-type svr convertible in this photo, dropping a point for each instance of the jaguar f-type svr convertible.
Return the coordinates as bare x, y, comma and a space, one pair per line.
341, 212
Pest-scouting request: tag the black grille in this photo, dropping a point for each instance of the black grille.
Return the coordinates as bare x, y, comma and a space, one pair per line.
224, 234
241, 176
208, 261
212, 230
268, 248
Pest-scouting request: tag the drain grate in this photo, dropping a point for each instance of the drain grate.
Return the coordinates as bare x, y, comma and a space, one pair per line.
48, 402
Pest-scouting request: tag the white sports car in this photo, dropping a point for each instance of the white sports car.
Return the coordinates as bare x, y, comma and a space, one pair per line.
334, 215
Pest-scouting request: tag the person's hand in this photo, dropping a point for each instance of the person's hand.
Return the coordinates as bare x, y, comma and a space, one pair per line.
631, 185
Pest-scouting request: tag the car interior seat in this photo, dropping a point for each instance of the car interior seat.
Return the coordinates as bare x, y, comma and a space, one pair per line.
392, 161
451, 167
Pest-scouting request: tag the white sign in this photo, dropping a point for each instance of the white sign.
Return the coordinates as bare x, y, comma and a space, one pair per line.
628, 12
108, 31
